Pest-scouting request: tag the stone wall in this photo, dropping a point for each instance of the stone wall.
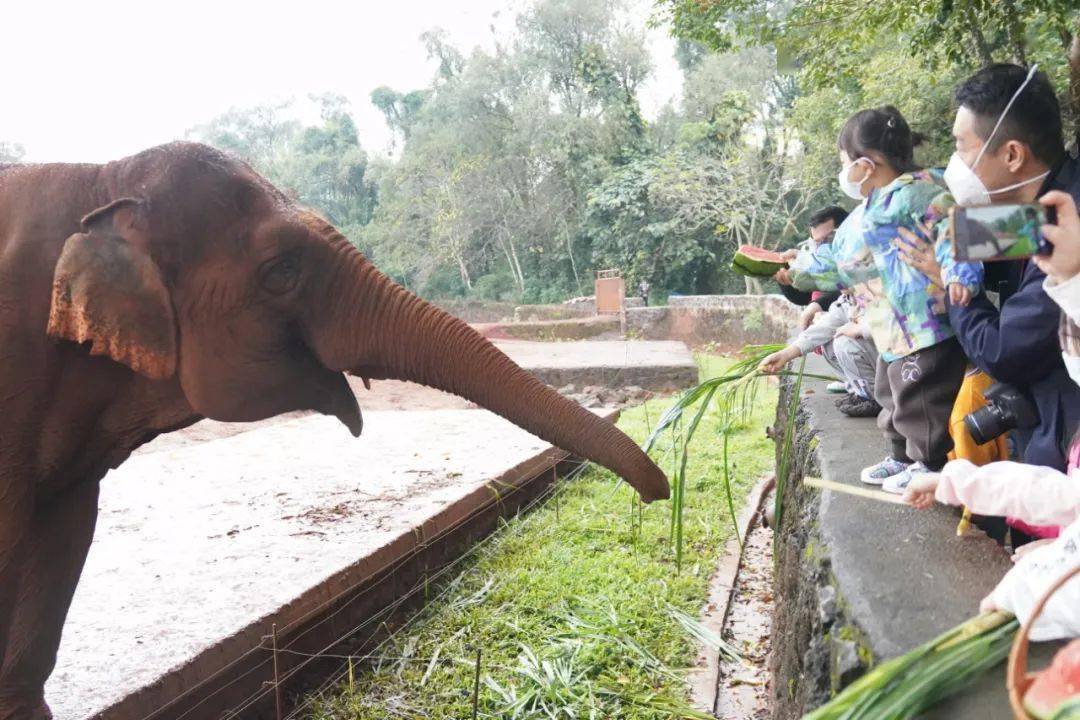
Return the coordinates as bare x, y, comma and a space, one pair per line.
728, 322
859, 581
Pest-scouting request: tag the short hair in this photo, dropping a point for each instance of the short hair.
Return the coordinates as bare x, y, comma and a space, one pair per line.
882, 130
1034, 119
833, 212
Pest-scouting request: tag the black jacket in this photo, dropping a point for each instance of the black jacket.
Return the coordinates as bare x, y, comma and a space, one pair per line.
799, 297
1019, 345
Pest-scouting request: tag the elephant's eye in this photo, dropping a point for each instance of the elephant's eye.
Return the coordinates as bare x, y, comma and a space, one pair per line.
280, 275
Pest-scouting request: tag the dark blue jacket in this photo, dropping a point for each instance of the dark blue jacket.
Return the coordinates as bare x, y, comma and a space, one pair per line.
1019, 345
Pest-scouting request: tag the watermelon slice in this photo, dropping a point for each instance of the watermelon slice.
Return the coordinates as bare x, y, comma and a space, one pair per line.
1055, 685
756, 262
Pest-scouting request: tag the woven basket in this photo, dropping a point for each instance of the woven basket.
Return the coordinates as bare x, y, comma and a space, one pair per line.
1019, 679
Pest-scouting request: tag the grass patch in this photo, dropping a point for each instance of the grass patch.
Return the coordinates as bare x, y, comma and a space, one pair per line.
579, 612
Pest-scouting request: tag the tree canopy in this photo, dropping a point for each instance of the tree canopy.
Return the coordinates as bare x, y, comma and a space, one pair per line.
519, 171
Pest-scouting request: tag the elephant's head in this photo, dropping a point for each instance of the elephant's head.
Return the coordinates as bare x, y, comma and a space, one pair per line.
195, 267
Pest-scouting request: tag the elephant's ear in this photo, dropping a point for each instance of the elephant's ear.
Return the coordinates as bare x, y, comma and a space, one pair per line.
108, 291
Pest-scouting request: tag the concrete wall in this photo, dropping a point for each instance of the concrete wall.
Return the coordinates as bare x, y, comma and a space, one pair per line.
859, 581
728, 322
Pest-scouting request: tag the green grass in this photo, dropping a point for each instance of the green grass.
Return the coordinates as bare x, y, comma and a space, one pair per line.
579, 610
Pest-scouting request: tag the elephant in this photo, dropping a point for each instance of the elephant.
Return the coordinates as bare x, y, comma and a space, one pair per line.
142, 295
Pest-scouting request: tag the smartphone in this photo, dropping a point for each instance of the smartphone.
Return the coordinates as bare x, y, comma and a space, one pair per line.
999, 232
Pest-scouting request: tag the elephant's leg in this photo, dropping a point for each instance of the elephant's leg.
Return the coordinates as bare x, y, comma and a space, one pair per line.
16, 513
55, 552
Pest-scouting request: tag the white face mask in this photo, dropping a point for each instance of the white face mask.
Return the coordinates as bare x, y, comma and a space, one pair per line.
964, 185
1072, 365
853, 189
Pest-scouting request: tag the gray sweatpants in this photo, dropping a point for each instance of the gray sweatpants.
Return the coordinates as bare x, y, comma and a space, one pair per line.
855, 359
916, 394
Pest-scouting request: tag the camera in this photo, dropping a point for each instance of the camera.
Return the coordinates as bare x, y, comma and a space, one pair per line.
1006, 409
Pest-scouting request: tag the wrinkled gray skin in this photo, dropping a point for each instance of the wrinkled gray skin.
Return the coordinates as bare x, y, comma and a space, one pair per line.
140, 296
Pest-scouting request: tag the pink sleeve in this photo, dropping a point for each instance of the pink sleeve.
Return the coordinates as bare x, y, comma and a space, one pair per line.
1037, 495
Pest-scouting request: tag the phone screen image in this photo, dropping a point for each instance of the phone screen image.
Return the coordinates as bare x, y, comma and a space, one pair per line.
997, 232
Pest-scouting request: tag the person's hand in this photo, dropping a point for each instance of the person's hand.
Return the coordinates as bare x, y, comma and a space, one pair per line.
919, 253
775, 363
1064, 262
790, 255
959, 294
988, 605
782, 276
920, 491
851, 330
1028, 547
810, 312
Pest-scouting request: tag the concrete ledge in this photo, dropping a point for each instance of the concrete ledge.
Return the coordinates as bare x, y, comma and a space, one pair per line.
201, 550
552, 330
661, 366
859, 581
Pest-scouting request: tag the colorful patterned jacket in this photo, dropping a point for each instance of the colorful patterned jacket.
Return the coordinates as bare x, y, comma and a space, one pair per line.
905, 310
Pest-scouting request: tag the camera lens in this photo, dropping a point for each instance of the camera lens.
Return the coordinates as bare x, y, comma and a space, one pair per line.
985, 424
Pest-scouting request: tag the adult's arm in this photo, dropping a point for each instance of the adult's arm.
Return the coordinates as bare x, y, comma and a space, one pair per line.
801, 298
1019, 343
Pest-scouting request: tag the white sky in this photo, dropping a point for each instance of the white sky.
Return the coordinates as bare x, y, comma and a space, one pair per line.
95, 81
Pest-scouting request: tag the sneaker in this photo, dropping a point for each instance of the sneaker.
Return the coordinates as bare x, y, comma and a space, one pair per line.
848, 399
836, 387
861, 408
897, 483
878, 474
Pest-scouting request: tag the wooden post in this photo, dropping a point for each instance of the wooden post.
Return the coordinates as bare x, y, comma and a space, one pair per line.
476, 688
277, 676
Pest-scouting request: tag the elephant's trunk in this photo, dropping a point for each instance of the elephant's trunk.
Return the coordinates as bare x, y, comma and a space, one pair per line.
374, 328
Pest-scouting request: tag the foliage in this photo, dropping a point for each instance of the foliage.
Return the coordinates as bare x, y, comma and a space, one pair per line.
576, 606
904, 687
844, 55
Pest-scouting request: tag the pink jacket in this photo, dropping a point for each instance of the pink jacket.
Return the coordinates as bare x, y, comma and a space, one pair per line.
1038, 496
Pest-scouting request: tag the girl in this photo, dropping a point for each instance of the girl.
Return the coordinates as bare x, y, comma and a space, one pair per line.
921, 365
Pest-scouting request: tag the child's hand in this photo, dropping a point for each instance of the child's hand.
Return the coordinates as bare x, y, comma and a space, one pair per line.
790, 255
920, 491
959, 294
775, 363
1064, 262
850, 329
782, 276
806, 318
1028, 547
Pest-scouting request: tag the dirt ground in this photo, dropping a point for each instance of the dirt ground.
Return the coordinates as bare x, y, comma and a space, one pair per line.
744, 692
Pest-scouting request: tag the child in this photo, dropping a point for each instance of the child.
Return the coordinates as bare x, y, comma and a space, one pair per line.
847, 347
921, 365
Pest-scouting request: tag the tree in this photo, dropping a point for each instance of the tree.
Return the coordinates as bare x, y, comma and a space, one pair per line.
933, 34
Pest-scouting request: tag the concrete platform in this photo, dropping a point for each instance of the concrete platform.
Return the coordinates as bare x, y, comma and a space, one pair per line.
660, 366
201, 547
860, 580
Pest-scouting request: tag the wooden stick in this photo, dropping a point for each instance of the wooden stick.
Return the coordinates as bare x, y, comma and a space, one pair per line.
277, 676
879, 495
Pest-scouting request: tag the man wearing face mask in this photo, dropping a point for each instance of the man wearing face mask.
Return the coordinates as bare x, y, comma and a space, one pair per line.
823, 224
1009, 149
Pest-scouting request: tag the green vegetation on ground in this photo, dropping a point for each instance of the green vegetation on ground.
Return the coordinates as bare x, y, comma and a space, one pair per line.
578, 606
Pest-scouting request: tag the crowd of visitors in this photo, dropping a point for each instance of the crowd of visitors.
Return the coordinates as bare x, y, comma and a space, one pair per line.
971, 369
